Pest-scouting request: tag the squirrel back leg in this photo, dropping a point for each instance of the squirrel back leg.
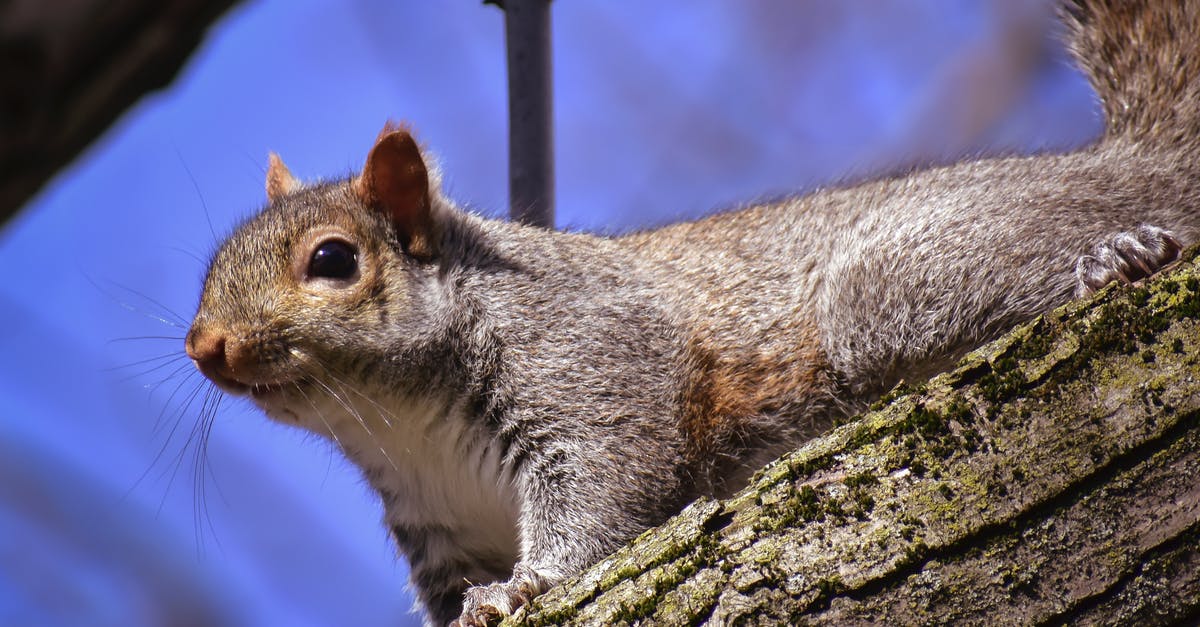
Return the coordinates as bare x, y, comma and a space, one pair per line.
1126, 256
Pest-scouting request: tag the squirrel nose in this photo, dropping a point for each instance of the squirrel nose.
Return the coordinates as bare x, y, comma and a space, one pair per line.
210, 350
207, 349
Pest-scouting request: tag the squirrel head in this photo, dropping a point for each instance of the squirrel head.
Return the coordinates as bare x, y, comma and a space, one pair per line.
324, 278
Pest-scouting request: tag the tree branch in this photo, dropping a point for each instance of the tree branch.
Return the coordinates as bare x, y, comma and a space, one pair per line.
65, 75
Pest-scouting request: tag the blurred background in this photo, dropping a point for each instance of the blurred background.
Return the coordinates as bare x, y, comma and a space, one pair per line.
119, 507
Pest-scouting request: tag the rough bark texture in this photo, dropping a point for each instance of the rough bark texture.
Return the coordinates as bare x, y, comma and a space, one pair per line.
1053, 476
68, 69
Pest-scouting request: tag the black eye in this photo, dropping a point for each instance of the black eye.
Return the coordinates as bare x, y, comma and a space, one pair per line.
333, 259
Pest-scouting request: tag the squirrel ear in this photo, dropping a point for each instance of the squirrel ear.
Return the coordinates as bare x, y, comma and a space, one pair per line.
396, 182
280, 181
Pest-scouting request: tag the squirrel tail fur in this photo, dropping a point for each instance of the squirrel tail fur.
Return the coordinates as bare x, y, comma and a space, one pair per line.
1143, 59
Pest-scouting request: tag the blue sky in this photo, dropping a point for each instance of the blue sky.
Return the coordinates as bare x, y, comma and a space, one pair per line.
663, 111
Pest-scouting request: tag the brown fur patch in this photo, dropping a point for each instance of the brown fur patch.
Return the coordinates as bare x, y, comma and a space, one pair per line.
736, 397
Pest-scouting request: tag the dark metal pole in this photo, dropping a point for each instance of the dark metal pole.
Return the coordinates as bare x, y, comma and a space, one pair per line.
530, 117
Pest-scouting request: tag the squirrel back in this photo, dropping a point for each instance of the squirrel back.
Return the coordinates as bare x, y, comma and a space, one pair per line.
901, 276
525, 401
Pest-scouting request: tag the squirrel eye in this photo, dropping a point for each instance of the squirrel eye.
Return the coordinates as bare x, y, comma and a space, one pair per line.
333, 259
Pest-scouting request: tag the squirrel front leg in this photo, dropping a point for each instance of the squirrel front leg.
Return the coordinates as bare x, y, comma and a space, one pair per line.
557, 539
578, 506
440, 568
483, 605
541, 566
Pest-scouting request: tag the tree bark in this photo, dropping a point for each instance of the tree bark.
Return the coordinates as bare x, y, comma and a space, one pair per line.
1052, 477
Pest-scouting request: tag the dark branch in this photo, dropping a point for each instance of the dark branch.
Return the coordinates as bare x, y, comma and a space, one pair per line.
531, 138
66, 75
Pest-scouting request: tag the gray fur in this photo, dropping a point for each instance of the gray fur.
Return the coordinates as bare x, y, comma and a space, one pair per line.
526, 401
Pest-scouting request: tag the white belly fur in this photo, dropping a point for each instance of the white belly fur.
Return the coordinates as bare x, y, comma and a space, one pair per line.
438, 468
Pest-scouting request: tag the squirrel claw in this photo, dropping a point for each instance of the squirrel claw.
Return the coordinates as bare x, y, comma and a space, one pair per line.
486, 605
481, 616
1127, 256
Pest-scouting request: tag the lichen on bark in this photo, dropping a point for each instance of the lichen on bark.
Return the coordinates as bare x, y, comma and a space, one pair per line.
1051, 476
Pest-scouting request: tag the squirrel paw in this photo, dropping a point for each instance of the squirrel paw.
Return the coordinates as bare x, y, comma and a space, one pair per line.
1127, 256
486, 605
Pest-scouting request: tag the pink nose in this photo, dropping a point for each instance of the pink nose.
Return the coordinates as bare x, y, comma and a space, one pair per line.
207, 349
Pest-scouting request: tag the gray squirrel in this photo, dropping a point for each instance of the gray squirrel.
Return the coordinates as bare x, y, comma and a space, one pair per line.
526, 401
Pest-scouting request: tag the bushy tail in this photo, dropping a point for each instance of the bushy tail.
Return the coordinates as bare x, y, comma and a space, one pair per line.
1143, 58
